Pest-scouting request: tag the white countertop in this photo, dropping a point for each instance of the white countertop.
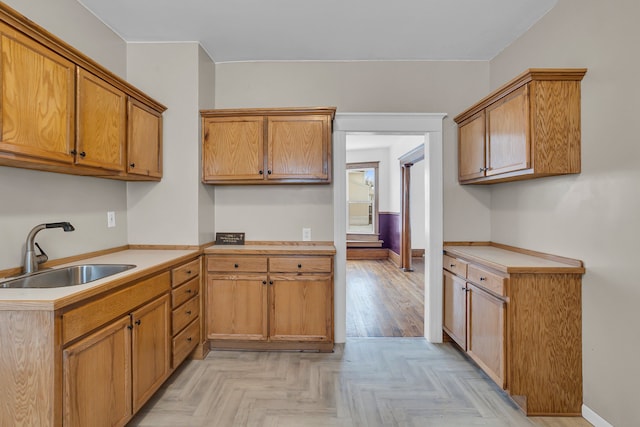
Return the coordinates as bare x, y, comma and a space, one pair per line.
146, 260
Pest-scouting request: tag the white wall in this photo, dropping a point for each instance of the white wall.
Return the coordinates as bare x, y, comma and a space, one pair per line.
32, 197
417, 209
167, 212
593, 216
414, 86
206, 193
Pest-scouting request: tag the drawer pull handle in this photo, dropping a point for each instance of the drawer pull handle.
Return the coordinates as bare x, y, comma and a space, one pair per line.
138, 322
188, 312
235, 265
452, 265
482, 279
299, 265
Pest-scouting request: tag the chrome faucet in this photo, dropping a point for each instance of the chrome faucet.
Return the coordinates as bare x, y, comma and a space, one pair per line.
33, 260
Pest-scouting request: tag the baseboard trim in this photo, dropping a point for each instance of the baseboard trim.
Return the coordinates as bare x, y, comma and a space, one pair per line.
595, 419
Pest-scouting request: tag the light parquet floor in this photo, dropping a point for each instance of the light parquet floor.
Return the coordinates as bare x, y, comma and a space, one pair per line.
367, 382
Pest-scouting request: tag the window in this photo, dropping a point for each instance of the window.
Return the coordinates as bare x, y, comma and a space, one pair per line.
362, 198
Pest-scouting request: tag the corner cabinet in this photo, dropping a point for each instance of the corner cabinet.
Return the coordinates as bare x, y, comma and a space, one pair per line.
267, 146
517, 315
528, 128
62, 112
270, 298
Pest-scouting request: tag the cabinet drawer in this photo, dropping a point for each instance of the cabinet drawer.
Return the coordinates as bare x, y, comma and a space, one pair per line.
300, 264
184, 292
87, 317
254, 264
454, 265
487, 280
184, 314
185, 342
185, 272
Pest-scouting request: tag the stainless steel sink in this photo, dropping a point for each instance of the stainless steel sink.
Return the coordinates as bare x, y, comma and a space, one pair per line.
66, 276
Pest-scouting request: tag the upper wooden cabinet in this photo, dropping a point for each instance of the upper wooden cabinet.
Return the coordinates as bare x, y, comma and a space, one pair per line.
526, 129
267, 146
144, 157
101, 123
62, 112
37, 99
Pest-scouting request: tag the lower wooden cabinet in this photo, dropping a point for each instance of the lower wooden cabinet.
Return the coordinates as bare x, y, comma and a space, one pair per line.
454, 321
97, 378
517, 314
270, 301
110, 374
301, 308
486, 332
185, 315
150, 349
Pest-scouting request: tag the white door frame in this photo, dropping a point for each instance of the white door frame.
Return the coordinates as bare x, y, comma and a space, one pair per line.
429, 125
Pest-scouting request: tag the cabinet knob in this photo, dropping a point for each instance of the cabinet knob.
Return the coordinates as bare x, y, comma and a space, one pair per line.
133, 165
271, 282
188, 271
83, 154
463, 288
268, 172
264, 282
260, 172
137, 322
189, 339
299, 265
235, 265
452, 265
482, 279
189, 291
188, 312
74, 152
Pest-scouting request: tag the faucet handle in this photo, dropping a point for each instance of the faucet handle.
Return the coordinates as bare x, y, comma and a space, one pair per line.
43, 257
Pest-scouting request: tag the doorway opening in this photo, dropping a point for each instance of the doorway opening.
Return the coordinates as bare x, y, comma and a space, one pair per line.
381, 300
428, 126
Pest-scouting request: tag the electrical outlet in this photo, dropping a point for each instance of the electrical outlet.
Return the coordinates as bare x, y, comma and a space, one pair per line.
306, 234
111, 219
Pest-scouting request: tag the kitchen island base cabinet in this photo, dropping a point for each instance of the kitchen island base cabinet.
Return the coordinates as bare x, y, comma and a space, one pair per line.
523, 322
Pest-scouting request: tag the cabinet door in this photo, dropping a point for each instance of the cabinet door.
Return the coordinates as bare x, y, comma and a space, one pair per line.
454, 320
37, 110
471, 148
301, 307
508, 136
144, 141
299, 148
486, 333
101, 123
151, 349
96, 375
237, 307
233, 149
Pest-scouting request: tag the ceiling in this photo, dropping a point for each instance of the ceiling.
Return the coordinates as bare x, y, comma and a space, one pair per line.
327, 30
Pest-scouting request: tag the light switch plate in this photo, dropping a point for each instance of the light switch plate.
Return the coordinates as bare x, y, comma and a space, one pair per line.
306, 234
111, 219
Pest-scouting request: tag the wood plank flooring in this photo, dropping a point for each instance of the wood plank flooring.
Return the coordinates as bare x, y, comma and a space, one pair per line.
367, 382
383, 300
